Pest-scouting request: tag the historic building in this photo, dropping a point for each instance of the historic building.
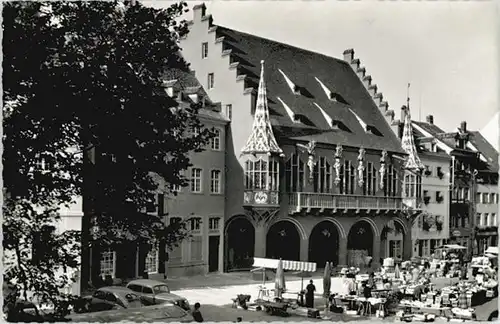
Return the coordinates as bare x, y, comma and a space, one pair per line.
486, 202
313, 169
201, 204
464, 175
431, 228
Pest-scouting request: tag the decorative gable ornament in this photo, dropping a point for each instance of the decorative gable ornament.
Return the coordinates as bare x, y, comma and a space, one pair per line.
262, 139
361, 166
413, 162
310, 148
337, 165
383, 168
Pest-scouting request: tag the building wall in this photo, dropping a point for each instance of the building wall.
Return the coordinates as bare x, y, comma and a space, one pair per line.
228, 91
425, 240
205, 205
487, 216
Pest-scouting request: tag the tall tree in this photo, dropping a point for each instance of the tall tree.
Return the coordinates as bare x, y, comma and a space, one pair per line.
85, 115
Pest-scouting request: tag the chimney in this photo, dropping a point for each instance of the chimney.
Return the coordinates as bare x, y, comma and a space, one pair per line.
378, 98
349, 55
367, 81
199, 12
361, 73
430, 119
355, 64
403, 113
384, 106
372, 90
463, 126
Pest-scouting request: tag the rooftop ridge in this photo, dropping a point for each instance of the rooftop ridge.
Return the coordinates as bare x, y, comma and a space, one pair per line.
285, 44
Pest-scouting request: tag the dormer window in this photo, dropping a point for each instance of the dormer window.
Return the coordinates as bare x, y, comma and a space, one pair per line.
289, 111
327, 91
295, 89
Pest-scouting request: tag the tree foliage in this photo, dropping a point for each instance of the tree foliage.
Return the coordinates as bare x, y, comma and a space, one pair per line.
85, 115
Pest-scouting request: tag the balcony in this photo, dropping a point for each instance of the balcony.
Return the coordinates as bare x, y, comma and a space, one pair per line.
261, 198
325, 201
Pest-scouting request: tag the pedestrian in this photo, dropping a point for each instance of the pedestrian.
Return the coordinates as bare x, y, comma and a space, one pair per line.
239, 319
197, 314
310, 294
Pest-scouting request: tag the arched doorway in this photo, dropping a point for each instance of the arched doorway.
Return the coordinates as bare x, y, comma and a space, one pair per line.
359, 244
240, 238
283, 241
392, 240
324, 244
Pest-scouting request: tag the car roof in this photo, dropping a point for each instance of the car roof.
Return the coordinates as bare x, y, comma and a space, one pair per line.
116, 289
146, 282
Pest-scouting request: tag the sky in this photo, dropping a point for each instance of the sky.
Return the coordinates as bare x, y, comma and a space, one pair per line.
446, 50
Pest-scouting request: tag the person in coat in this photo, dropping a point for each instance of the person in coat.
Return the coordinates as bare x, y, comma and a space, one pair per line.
197, 314
310, 294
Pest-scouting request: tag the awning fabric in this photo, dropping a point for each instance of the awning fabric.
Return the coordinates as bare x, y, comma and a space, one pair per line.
492, 250
287, 264
452, 247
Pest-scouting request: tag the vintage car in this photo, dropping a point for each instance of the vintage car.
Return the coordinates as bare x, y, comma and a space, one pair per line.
108, 298
153, 292
156, 313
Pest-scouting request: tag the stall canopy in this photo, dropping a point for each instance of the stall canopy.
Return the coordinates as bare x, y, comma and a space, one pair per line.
452, 247
492, 250
287, 264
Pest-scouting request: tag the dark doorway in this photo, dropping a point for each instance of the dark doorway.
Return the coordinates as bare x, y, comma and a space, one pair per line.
213, 253
324, 244
240, 244
359, 244
283, 241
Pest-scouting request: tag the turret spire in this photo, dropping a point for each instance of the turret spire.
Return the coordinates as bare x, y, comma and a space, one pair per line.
262, 139
413, 161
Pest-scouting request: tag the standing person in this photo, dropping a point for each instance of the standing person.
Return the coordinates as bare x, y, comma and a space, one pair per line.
310, 294
197, 314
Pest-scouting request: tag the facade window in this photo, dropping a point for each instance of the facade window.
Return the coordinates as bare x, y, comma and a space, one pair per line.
195, 225
347, 178
214, 223
370, 180
478, 198
485, 198
466, 193
493, 219
395, 249
151, 265
196, 182
423, 248
229, 111
210, 81
412, 186
262, 175
390, 182
108, 263
492, 198
197, 248
478, 219
196, 131
215, 181
496, 198
204, 50
215, 141
295, 174
323, 176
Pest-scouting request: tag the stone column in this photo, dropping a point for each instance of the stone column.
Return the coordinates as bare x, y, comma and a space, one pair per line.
407, 246
304, 250
376, 252
342, 252
260, 240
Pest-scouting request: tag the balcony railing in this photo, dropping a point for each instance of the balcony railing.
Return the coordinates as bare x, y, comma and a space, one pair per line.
314, 200
258, 197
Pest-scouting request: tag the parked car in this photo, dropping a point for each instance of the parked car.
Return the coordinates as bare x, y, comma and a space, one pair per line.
24, 312
156, 313
153, 292
108, 298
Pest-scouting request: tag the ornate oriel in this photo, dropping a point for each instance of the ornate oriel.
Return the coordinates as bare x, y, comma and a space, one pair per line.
337, 165
383, 169
310, 148
361, 166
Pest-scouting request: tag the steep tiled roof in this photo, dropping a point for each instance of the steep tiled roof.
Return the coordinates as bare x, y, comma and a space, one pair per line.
304, 68
431, 128
486, 149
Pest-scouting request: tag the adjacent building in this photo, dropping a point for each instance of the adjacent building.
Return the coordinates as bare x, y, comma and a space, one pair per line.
313, 169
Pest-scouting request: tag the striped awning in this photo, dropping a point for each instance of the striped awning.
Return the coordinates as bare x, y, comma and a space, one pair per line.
287, 264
